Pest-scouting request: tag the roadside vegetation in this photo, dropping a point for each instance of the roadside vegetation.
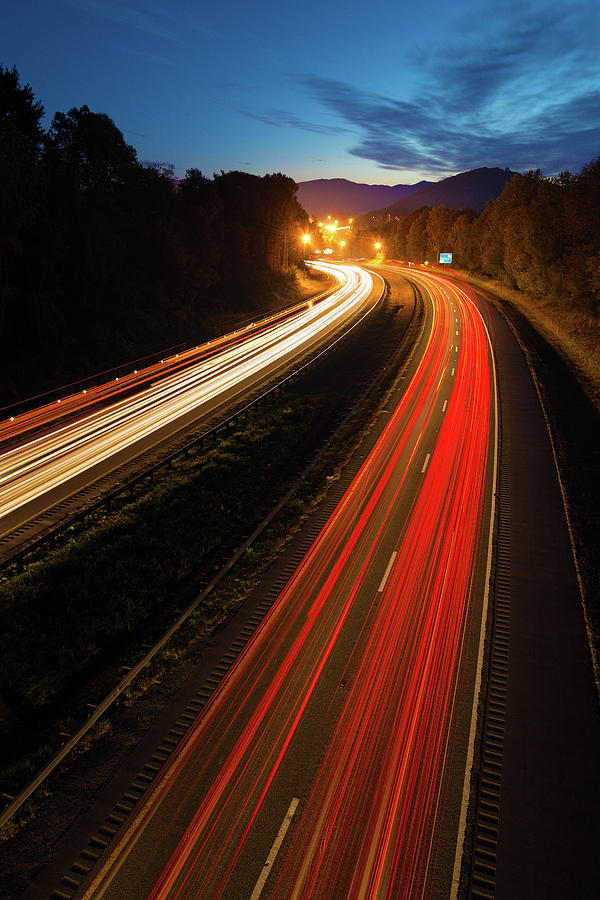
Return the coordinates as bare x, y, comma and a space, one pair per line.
573, 330
537, 245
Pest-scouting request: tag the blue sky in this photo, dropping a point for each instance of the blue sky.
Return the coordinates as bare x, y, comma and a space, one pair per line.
379, 92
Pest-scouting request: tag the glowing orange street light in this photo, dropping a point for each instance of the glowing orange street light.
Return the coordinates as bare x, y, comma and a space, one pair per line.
305, 241
378, 245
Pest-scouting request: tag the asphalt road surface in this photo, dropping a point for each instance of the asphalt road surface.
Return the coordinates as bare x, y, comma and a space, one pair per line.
335, 758
331, 761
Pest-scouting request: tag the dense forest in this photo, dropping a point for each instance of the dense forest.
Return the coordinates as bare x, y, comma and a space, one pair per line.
104, 260
541, 235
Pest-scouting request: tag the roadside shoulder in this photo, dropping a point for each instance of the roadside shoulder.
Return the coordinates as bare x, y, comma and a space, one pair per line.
573, 421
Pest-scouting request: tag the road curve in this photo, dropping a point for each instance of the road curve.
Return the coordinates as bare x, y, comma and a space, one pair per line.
349, 713
51, 452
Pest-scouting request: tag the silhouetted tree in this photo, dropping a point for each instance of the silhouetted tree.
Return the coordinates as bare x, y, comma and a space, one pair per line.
91, 145
20, 135
439, 226
103, 259
581, 201
416, 239
19, 110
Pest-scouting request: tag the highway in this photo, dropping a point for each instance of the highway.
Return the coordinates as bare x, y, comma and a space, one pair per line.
49, 453
333, 760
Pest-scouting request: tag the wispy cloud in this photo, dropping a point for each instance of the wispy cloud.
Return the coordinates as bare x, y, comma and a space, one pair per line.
141, 17
282, 118
525, 96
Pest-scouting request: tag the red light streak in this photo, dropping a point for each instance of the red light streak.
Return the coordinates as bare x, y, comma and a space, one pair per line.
370, 826
374, 804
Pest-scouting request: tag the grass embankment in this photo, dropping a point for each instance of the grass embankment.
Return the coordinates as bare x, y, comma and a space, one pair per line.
572, 331
62, 616
71, 620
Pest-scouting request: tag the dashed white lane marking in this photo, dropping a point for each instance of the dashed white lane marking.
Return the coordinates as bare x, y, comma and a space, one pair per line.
426, 463
444, 406
274, 850
452, 372
386, 574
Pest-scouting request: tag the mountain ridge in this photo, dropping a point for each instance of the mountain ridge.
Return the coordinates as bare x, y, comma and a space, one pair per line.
467, 190
340, 197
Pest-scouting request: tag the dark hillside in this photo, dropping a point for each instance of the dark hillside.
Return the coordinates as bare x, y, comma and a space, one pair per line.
469, 190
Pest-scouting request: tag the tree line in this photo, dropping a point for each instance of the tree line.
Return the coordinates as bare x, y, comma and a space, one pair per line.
104, 259
541, 235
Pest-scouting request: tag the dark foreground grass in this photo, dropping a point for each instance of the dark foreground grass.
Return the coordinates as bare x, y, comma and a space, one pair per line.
62, 613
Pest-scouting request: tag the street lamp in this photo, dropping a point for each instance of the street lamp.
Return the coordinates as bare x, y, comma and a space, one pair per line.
305, 240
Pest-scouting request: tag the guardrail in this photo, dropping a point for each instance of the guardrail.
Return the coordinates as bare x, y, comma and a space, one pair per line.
17, 407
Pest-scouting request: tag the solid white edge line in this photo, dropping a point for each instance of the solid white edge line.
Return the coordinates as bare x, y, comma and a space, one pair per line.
462, 821
426, 463
386, 574
274, 850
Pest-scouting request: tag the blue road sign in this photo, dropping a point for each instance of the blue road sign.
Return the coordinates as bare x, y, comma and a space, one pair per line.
445, 257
